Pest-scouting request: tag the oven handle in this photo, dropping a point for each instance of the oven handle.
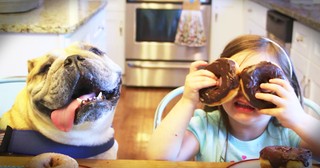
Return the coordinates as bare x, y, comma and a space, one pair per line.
157, 66
204, 2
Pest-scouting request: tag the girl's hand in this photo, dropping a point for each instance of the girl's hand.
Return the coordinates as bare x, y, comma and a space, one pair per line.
197, 79
289, 109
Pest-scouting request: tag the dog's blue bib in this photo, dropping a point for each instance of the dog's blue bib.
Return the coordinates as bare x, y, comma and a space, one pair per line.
29, 142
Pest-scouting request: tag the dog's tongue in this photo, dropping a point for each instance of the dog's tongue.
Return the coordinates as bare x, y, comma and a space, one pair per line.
63, 118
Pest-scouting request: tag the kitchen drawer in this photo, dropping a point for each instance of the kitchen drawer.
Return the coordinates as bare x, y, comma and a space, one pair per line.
302, 39
257, 13
253, 28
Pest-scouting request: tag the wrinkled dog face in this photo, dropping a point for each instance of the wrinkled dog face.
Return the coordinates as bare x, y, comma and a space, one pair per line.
75, 85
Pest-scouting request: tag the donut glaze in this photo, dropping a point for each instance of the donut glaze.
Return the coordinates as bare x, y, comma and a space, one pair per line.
252, 76
279, 156
227, 70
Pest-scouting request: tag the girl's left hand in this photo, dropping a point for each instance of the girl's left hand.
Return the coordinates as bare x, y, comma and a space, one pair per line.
289, 109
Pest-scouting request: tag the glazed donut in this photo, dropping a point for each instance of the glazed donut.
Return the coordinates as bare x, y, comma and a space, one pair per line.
252, 76
227, 71
55, 160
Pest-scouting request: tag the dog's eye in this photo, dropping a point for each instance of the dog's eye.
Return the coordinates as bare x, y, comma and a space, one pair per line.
96, 51
45, 68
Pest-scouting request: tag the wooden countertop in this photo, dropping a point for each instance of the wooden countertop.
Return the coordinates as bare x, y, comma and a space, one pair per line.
91, 163
306, 13
52, 16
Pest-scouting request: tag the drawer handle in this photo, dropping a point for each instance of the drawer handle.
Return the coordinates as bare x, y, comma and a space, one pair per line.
155, 66
299, 39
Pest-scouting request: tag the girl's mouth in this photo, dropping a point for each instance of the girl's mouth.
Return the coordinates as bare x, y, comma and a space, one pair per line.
244, 106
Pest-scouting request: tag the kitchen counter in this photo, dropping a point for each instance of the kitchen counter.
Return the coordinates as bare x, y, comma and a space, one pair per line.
52, 16
308, 14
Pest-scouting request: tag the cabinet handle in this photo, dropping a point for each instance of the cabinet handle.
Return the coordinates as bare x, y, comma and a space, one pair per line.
299, 39
303, 85
121, 28
98, 32
249, 10
120, 31
156, 66
306, 87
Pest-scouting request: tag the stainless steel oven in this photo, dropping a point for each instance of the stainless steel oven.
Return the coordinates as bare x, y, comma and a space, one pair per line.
152, 57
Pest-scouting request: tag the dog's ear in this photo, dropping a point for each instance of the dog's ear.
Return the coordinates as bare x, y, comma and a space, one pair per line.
40, 63
30, 65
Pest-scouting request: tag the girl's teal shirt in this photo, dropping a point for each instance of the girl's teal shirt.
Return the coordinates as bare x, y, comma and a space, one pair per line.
212, 139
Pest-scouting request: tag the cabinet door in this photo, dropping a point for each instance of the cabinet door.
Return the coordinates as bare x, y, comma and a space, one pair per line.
314, 85
255, 18
315, 51
314, 68
315, 82
98, 36
299, 62
302, 39
253, 28
305, 55
93, 32
115, 37
227, 23
301, 70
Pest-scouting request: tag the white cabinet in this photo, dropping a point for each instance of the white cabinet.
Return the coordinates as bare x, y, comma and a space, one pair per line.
305, 55
93, 32
115, 13
314, 68
17, 48
255, 18
227, 23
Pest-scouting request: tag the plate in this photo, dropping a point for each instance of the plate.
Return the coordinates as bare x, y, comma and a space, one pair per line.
255, 163
250, 163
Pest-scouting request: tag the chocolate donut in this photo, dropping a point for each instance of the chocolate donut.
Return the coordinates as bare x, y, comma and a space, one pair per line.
285, 156
252, 76
227, 70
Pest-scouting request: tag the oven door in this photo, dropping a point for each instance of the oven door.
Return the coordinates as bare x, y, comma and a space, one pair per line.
151, 29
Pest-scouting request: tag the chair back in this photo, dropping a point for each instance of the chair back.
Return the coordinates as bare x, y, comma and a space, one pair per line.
9, 89
311, 107
314, 107
163, 104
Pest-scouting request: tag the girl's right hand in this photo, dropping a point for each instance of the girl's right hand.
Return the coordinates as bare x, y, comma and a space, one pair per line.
197, 79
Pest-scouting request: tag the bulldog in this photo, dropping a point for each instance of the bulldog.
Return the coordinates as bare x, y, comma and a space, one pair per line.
70, 98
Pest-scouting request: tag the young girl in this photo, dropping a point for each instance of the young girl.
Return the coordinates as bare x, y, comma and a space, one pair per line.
237, 131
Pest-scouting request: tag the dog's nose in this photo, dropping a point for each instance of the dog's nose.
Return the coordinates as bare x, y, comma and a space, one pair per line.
73, 59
